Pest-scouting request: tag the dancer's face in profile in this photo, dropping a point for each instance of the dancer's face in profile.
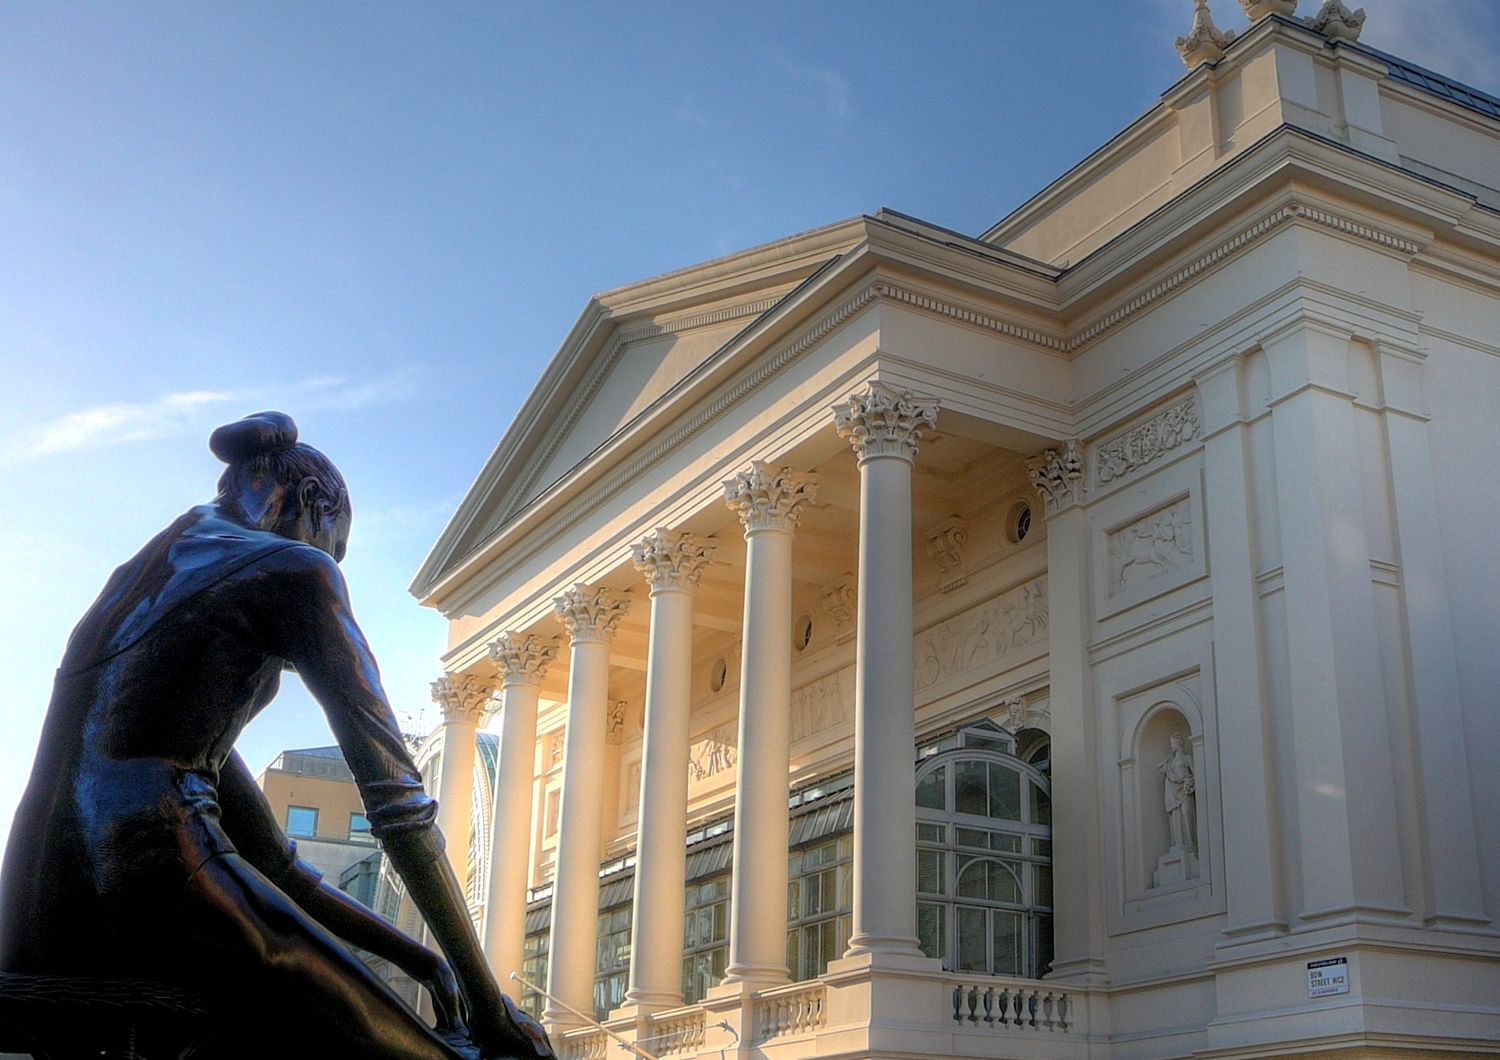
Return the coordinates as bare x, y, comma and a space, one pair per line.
321, 523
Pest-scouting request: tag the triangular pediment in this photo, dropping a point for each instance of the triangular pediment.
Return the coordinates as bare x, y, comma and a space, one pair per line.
628, 350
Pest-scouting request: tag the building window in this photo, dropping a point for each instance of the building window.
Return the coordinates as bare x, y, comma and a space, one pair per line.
802, 632
819, 906
534, 967
984, 858
1018, 522
611, 960
359, 828
301, 820
705, 942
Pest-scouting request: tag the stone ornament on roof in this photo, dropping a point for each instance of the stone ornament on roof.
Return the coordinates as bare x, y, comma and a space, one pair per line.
883, 421
1259, 9
465, 698
671, 559
770, 500
1337, 22
1205, 42
523, 658
591, 612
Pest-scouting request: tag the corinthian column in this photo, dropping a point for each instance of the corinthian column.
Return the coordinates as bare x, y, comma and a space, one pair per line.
591, 615
672, 562
463, 701
884, 425
522, 660
769, 504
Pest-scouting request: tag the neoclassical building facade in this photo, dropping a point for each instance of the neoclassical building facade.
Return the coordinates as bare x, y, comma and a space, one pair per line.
1076, 640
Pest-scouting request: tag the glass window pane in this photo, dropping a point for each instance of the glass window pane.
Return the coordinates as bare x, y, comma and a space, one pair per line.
1005, 841
930, 929
1004, 883
970, 791
301, 820
929, 872
359, 828
971, 837
972, 941
930, 792
1007, 936
930, 833
1041, 806
1041, 885
1005, 793
973, 880
1041, 946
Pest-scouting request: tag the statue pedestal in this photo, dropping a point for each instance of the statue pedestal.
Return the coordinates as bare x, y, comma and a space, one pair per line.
1178, 865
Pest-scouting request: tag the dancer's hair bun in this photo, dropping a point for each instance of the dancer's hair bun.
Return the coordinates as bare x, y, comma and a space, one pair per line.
263, 432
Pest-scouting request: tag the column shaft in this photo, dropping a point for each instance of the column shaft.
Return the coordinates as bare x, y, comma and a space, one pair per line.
885, 817
463, 701
522, 665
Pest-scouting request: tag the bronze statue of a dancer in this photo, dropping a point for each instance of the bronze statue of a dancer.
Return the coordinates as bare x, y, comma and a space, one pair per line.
143, 849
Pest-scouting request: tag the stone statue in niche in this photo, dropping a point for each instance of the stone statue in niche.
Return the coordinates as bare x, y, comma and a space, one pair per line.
145, 864
1180, 800
1180, 796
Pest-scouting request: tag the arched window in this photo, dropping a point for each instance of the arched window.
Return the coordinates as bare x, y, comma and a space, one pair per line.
984, 855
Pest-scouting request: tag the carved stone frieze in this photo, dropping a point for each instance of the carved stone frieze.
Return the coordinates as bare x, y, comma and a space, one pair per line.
1057, 475
822, 704
632, 790
615, 722
465, 698
947, 548
767, 499
1147, 442
671, 559
591, 612
982, 635
839, 601
523, 658
883, 421
714, 753
1152, 547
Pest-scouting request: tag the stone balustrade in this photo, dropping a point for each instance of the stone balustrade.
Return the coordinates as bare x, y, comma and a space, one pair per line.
1010, 1004
585, 1044
788, 1010
673, 1033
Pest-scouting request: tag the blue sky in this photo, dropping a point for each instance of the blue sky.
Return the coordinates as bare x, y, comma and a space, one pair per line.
383, 218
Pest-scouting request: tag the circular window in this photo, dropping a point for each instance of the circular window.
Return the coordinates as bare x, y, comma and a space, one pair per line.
718, 675
802, 631
1018, 522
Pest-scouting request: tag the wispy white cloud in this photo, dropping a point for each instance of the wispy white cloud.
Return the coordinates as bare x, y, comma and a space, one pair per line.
197, 411
120, 422
832, 94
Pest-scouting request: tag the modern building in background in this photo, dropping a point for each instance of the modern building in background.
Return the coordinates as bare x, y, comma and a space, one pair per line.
1073, 640
313, 796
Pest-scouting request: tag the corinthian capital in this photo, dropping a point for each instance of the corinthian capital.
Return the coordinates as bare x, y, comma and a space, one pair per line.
463, 698
523, 659
671, 559
770, 500
1058, 475
591, 612
883, 421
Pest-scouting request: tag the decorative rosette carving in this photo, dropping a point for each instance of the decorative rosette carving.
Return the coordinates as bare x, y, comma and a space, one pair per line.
465, 698
770, 500
1058, 475
883, 421
671, 559
591, 612
1205, 42
523, 658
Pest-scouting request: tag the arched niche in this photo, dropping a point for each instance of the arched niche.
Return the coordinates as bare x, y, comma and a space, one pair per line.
1154, 862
